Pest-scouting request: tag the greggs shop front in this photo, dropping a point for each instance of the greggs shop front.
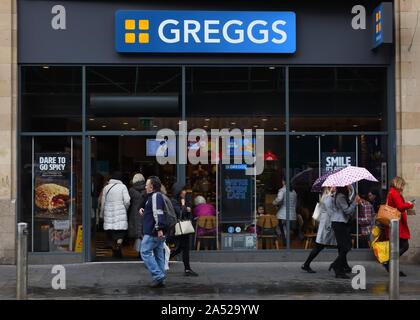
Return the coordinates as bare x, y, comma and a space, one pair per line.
99, 79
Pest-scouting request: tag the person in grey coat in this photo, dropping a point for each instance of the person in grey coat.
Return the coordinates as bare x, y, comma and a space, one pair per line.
280, 202
325, 236
342, 213
138, 197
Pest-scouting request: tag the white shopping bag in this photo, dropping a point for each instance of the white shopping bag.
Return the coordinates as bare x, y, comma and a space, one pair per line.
167, 256
137, 245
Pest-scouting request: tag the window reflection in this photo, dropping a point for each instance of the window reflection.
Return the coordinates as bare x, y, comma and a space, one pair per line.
338, 99
133, 98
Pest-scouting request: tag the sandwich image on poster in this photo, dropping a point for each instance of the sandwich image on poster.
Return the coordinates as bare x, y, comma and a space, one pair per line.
52, 197
52, 186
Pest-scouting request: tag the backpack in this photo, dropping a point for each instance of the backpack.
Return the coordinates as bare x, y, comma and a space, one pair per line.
170, 218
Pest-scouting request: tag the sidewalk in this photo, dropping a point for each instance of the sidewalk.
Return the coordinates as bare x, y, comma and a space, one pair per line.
273, 280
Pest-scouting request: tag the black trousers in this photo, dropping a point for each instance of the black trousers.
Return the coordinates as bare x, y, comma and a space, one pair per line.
282, 225
115, 235
315, 251
184, 247
403, 246
403, 249
343, 237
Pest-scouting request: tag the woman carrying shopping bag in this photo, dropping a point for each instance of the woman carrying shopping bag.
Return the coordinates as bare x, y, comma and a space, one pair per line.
325, 235
115, 203
183, 211
396, 200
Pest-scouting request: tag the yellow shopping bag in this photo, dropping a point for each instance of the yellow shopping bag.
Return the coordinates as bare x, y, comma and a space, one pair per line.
380, 248
381, 251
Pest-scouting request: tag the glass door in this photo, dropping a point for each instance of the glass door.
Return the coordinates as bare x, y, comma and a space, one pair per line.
310, 157
120, 158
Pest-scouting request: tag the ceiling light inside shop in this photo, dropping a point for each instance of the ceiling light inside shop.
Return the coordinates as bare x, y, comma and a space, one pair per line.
233, 123
275, 129
45, 67
271, 68
155, 126
125, 123
103, 126
206, 126
355, 125
91, 119
207, 119
264, 119
133, 129
256, 126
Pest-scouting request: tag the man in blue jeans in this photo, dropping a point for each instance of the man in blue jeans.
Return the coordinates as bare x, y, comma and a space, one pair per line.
152, 249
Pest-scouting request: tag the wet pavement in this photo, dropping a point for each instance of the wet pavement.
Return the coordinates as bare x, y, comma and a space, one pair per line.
242, 281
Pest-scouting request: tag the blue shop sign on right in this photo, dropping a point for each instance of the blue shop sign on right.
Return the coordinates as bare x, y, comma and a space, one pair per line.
382, 24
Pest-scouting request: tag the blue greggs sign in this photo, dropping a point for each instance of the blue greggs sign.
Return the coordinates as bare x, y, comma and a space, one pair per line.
382, 24
205, 31
378, 28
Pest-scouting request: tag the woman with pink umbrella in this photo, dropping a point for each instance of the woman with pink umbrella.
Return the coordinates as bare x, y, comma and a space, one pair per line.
343, 211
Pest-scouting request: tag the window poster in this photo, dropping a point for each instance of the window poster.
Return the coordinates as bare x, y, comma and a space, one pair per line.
331, 161
52, 198
52, 185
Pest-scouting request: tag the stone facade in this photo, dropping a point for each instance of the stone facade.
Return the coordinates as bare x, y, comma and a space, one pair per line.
8, 85
407, 16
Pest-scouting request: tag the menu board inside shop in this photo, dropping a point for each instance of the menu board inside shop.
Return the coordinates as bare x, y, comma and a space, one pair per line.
237, 195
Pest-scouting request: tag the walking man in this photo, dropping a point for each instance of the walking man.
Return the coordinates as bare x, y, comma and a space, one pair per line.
152, 245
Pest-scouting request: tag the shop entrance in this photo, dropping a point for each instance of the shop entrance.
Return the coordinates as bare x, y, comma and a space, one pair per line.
127, 155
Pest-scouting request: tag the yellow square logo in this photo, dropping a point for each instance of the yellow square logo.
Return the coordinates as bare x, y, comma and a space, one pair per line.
144, 24
377, 28
130, 24
130, 38
144, 38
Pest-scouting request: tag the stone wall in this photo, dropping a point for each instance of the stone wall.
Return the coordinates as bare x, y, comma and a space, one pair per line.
407, 14
8, 85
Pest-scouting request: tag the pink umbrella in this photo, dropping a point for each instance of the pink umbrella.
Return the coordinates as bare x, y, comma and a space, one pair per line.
348, 176
317, 186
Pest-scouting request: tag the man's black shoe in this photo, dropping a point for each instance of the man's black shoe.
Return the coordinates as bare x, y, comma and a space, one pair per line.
157, 284
342, 276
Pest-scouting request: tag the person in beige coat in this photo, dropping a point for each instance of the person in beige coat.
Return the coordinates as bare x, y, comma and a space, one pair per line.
115, 202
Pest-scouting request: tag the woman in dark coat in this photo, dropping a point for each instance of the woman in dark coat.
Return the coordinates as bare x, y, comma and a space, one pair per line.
138, 197
183, 212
